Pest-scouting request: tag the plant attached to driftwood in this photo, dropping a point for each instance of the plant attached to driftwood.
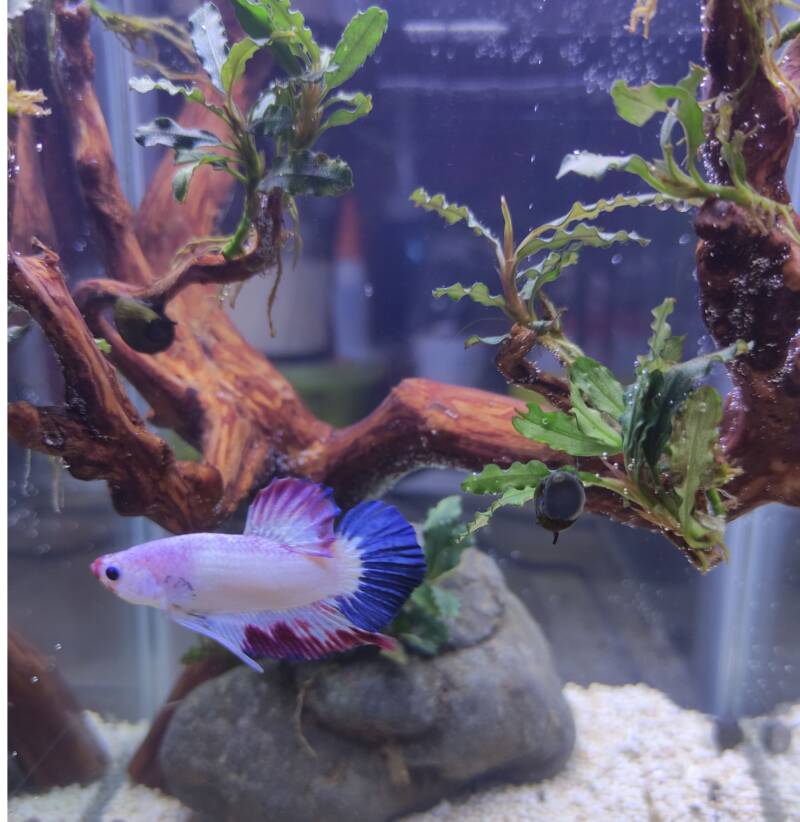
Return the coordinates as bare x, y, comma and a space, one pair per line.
248, 424
658, 439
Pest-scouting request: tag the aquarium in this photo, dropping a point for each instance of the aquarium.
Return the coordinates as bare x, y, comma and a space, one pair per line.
403, 410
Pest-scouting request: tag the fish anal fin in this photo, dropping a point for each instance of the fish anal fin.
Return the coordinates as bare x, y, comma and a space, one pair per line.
311, 632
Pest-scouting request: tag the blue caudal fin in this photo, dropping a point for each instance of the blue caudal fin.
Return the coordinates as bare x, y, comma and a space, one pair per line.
392, 564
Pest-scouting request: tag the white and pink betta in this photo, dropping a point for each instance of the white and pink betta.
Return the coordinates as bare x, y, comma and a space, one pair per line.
294, 585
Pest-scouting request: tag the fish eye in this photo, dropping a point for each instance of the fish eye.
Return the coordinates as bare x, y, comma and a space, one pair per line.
112, 572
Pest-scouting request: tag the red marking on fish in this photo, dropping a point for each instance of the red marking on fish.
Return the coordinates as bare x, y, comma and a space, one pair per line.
283, 642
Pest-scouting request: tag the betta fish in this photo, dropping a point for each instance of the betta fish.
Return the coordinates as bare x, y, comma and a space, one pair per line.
295, 585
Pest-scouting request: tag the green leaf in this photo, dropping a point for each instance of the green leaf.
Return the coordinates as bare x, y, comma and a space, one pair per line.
447, 603
236, 62
558, 430
290, 40
102, 345
493, 479
146, 84
210, 41
592, 423
166, 132
691, 448
477, 292
548, 270
272, 115
513, 496
451, 212
256, 21
663, 346
637, 105
598, 385
308, 172
443, 537
583, 234
189, 162
358, 105
359, 39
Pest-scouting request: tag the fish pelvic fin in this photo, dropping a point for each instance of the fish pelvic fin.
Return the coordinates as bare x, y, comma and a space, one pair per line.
297, 514
312, 632
392, 563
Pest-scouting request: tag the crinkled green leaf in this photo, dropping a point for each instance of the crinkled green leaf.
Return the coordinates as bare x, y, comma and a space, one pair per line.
583, 234
493, 479
102, 345
146, 84
359, 40
210, 41
236, 61
593, 424
308, 172
477, 292
546, 271
355, 107
451, 212
691, 448
558, 430
579, 212
166, 132
663, 346
513, 496
598, 385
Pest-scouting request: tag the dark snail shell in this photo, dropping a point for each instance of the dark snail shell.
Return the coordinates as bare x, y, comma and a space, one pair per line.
143, 327
559, 501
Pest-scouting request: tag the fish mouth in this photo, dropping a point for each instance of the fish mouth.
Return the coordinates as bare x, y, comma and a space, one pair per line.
95, 566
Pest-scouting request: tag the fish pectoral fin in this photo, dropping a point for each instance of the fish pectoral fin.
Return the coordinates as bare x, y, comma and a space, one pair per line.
296, 514
223, 633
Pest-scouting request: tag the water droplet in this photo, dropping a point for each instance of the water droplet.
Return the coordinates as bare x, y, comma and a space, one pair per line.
685, 239
369, 289
79, 245
57, 646
39, 147
533, 158
34, 679
616, 259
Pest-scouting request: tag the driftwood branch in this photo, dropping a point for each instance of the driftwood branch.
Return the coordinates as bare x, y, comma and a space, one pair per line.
750, 282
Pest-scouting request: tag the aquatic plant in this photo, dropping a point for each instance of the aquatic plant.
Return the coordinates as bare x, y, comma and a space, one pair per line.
657, 440
422, 622
248, 424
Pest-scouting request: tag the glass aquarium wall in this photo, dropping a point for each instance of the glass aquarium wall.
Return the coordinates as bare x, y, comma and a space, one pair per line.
481, 101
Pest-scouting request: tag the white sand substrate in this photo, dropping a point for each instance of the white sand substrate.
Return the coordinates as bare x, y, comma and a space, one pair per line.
638, 756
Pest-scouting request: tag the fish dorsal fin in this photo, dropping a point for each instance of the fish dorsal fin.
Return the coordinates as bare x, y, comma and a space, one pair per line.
297, 514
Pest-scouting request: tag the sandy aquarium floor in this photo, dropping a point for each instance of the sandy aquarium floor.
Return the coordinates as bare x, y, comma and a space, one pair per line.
638, 756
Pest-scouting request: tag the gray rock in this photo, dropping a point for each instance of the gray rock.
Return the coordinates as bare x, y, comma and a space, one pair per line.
366, 738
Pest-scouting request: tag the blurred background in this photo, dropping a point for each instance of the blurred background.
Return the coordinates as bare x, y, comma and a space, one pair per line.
476, 100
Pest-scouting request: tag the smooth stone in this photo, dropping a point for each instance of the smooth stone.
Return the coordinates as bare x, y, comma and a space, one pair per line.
363, 737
